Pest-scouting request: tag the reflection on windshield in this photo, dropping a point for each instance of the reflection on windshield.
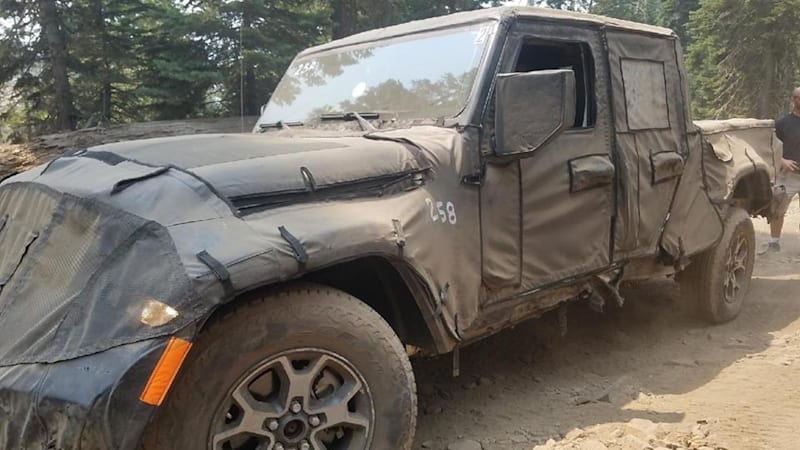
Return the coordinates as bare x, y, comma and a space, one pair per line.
425, 77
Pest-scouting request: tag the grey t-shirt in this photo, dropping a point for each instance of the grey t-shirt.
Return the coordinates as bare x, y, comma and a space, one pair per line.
787, 128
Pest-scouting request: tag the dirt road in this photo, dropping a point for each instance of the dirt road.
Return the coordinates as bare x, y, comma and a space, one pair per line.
651, 375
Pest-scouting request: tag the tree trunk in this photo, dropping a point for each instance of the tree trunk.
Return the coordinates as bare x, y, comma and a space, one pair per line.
766, 97
102, 43
252, 105
250, 101
57, 53
345, 18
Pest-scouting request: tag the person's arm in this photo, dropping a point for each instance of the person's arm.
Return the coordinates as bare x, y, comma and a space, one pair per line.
787, 165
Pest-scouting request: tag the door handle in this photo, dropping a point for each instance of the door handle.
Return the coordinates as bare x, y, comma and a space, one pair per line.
665, 166
589, 172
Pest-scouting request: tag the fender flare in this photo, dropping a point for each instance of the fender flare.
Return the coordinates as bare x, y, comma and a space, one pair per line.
443, 337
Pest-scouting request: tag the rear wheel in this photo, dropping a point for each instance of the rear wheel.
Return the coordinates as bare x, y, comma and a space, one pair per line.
307, 368
718, 279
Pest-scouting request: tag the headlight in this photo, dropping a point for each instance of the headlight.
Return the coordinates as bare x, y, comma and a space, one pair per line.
156, 313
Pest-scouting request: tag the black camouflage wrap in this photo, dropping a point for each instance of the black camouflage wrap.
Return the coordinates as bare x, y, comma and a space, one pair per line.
116, 225
195, 221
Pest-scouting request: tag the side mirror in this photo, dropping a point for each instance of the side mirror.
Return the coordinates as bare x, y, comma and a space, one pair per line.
531, 109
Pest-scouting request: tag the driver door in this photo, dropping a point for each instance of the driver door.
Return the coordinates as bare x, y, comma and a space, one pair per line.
548, 216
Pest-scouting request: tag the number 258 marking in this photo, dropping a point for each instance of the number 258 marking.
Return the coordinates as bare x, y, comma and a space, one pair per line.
444, 212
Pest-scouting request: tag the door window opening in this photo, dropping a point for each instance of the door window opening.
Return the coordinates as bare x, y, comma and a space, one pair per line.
546, 55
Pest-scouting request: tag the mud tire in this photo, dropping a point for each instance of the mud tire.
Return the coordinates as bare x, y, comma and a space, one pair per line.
301, 316
704, 281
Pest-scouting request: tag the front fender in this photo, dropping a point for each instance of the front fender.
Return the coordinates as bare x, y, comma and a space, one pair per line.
255, 251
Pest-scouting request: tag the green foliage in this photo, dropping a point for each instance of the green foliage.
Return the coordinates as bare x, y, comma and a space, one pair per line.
406, 10
161, 74
30, 104
126, 61
675, 14
744, 57
644, 11
167, 59
164, 59
251, 42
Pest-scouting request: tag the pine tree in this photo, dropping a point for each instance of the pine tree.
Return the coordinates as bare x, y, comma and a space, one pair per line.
110, 61
675, 15
252, 42
28, 104
644, 11
57, 55
98, 62
744, 57
34, 51
169, 64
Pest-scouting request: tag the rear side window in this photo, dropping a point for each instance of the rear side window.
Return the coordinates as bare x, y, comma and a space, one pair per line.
645, 94
537, 54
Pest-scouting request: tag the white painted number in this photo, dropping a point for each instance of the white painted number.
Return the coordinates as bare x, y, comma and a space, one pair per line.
434, 217
451, 213
444, 212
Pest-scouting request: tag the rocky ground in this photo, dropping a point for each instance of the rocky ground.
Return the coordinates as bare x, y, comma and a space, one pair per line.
649, 376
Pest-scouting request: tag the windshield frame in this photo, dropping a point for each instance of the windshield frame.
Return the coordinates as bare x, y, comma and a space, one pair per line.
472, 101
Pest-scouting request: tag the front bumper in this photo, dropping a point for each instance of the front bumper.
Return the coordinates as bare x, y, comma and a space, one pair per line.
86, 403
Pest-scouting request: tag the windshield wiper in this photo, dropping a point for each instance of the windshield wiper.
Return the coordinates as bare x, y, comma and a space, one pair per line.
279, 124
352, 115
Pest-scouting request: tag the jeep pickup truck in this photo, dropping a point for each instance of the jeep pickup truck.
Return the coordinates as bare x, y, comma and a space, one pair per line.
406, 190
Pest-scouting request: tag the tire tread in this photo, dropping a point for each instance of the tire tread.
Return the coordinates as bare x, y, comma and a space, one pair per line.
288, 304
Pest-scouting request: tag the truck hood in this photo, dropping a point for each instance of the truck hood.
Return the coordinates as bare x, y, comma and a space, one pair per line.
258, 170
89, 238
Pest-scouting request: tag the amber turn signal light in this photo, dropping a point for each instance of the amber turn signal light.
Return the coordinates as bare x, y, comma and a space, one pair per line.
165, 372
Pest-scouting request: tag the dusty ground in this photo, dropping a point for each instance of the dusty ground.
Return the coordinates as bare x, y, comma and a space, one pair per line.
649, 376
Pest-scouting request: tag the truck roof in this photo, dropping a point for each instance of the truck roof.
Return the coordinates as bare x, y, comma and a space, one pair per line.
487, 14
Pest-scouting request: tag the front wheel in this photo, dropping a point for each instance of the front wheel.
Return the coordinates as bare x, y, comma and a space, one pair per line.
307, 368
718, 279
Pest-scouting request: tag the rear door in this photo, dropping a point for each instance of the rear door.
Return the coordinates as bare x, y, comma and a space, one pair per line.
649, 113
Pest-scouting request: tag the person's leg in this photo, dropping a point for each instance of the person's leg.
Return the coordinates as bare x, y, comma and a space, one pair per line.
782, 202
776, 227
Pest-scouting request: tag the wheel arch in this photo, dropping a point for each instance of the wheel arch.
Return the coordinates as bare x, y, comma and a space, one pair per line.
394, 289
753, 191
397, 292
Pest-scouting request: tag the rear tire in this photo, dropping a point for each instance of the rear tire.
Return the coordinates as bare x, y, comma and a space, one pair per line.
717, 280
304, 366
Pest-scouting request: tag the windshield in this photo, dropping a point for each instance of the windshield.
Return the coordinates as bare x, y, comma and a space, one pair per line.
426, 76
